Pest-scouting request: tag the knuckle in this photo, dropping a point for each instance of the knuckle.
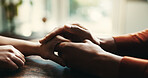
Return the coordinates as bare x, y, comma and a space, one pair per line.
65, 26
64, 45
58, 38
11, 55
75, 27
8, 54
10, 50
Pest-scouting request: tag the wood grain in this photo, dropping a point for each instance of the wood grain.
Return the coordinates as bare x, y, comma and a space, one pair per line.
36, 67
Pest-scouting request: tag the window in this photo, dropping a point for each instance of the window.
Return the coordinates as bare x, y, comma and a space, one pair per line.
41, 16
94, 14
32, 17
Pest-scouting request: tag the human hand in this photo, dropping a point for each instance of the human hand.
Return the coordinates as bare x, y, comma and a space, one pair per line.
90, 58
74, 32
47, 50
10, 58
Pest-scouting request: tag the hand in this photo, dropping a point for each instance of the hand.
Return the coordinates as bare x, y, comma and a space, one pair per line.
10, 58
74, 32
47, 50
90, 58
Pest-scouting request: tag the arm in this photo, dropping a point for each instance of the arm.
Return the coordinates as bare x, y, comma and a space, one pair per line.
90, 58
108, 44
133, 68
46, 51
131, 44
26, 47
112, 44
102, 63
135, 43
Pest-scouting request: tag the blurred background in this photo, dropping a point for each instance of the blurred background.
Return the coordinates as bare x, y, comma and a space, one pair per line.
29, 19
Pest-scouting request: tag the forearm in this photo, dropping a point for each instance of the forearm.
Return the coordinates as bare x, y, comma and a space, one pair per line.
135, 41
108, 44
133, 68
26, 47
106, 65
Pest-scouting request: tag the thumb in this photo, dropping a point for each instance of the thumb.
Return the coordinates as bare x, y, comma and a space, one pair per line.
87, 41
76, 30
80, 26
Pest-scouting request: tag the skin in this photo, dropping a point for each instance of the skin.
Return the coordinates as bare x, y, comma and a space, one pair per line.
10, 58
90, 58
12, 51
84, 46
74, 32
78, 33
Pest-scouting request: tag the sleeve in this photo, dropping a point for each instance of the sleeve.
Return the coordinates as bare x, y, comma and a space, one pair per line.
136, 43
133, 68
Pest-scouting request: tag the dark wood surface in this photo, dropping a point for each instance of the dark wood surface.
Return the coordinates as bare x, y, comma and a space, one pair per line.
36, 67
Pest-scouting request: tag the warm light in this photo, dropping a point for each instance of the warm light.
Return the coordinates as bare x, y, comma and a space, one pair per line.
25, 30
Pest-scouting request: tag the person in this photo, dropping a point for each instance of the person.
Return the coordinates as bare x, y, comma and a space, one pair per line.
113, 57
12, 52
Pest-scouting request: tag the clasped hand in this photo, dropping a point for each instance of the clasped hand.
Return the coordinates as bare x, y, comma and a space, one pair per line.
80, 50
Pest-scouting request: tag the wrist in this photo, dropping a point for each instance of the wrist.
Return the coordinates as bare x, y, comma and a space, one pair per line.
110, 64
38, 50
108, 44
35, 48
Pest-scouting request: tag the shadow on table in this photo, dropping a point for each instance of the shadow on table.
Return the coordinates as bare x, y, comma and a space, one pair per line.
37, 67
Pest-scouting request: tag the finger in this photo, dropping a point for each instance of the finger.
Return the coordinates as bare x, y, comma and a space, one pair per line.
80, 26
54, 42
23, 59
83, 33
17, 60
11, 49
93, 39
53, 34
76, 30
64, 28
87, 41
19, 54
58, 60
11, 65
66, 45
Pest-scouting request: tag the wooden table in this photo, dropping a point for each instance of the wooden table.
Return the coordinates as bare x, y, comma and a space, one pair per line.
36, 67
